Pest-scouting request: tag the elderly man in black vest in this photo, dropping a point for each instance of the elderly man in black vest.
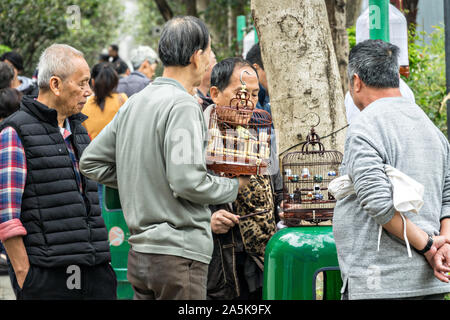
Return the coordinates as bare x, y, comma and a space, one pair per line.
50, 219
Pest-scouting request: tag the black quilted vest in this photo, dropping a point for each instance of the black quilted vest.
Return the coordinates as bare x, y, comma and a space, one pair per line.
64, 226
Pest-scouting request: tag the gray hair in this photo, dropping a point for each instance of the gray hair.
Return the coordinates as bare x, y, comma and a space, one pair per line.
56, 60
376, 64
181, 37
142, 53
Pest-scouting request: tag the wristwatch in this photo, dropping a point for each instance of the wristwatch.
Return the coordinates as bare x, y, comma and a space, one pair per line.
428, 246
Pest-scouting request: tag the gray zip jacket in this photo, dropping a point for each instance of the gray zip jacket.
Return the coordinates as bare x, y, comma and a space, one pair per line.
396, 132
153, 151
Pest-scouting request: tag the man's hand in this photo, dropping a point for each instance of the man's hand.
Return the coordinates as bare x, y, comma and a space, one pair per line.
21, 276
438, 242
280, 211
222, 221
439, 258
19, 258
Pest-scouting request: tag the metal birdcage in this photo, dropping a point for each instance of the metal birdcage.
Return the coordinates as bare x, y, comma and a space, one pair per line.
239, 138
306, 176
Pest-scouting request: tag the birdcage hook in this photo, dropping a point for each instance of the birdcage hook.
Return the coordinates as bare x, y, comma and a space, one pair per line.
242, 98
244, 85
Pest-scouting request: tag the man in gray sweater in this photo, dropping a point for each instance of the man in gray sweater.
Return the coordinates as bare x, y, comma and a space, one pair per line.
154, 153
393, 131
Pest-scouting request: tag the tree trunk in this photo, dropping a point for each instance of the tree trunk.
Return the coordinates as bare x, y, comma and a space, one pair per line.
302, 72
231, 26
202, 6
237, 9
164, 9
353, 10
191, 8
409, 8
337, 18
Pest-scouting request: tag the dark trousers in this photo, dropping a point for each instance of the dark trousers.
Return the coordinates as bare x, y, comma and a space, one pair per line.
166, 277
246, 276
67, 283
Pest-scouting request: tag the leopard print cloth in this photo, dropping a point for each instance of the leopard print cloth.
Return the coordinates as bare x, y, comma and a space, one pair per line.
256, 230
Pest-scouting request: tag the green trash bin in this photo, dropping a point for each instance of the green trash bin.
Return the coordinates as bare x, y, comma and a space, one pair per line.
118, 235
294, 257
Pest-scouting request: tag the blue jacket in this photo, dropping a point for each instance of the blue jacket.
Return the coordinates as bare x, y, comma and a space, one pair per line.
263, 100
132, 84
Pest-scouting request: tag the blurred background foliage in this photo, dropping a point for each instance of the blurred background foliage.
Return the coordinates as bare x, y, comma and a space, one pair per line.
28, 26
427, 74
219, 15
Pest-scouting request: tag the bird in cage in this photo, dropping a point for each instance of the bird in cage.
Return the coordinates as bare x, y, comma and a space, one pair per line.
305, 173
317, 204
318, 178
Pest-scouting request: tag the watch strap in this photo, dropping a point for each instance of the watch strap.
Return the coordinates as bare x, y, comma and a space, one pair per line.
428, 246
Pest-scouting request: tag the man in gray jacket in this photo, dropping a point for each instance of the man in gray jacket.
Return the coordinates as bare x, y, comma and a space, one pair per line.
144, 61
154, 153
391, 130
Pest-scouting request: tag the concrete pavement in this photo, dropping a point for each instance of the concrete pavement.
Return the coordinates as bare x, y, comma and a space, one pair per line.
6, 291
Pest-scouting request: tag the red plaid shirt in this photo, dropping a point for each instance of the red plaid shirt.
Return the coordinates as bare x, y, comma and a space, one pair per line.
13, 173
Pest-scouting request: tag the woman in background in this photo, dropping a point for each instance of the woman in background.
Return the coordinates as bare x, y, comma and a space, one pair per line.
103, 105
9, 102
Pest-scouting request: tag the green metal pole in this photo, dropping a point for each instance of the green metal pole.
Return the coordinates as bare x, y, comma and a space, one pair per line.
379, 19
240, 26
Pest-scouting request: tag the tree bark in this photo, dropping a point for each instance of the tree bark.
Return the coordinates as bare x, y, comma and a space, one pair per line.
164, 9
231, 25
352, 12
409, 8
191, 8
202, 6
337, 18
237, 9
302, 71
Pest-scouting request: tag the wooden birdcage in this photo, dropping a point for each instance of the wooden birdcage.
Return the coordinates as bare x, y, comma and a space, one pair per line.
239, 138
306, 176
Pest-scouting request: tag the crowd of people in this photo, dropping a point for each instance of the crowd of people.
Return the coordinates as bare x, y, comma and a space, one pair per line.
76, 128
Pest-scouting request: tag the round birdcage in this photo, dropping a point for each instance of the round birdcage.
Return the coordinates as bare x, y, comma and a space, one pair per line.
306, 176
239, 138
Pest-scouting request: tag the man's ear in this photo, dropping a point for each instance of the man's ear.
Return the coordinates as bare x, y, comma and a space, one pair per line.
143, 66
214, 93
357, 83
195, 58
55, 85
258, 69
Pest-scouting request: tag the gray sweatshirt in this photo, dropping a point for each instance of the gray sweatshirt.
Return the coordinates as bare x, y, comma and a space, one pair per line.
154, 152
396, 132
